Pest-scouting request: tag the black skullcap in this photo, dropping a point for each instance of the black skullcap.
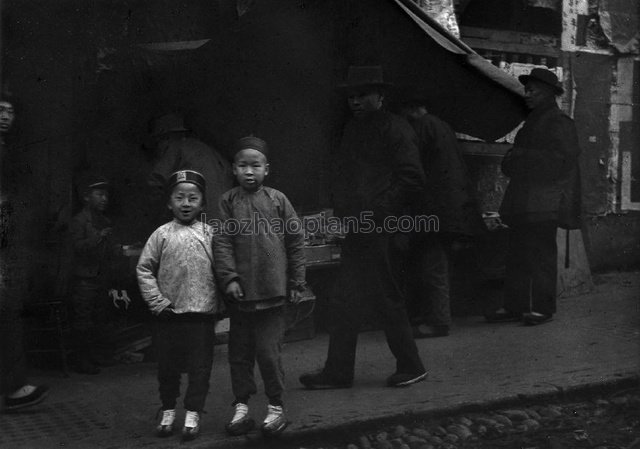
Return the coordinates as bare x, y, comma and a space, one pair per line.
190, 176
251, 143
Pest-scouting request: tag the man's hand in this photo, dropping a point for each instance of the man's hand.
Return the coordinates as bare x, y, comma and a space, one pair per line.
234, 291
106, 232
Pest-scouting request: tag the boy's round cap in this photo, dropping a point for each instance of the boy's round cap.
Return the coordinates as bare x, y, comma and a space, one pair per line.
190, 176
251, 143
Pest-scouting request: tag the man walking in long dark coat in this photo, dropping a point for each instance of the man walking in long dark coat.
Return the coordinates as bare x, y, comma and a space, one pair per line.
378, 171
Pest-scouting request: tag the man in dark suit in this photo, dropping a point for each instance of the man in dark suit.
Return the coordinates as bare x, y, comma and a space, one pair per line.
543, 194
449, 196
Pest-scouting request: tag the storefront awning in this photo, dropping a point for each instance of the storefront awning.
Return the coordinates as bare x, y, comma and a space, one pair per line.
451, 43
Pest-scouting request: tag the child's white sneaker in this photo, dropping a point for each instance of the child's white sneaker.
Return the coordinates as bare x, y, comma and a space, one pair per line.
275, 421
241, 423
165, 428
191, 427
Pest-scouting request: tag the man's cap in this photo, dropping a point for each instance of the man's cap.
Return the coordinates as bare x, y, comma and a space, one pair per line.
91, 181
168, 123
189, 176
251, 143
544, 76
364, 77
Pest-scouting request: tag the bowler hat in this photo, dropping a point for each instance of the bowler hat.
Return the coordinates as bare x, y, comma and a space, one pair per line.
544, 76
368, 76
168, 123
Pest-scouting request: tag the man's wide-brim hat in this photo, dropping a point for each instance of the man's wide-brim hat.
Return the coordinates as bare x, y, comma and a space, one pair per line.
364, 77
544, 76
168, 123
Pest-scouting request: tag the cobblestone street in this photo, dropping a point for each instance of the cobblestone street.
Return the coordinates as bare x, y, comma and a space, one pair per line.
610, 421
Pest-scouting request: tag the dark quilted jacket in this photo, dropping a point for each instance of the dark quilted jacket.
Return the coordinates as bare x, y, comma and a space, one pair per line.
544, 171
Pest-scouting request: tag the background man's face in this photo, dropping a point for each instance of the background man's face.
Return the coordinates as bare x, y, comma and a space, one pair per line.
537, 93
364, 101
7, 116
97, 199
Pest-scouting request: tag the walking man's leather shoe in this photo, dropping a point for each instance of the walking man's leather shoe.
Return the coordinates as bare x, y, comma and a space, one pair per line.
534, 318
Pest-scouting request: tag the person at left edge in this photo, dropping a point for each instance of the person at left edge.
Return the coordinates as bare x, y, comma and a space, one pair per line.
15, 389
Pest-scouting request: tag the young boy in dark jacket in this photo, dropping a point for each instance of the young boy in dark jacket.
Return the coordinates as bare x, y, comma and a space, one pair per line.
94, 251
261, 268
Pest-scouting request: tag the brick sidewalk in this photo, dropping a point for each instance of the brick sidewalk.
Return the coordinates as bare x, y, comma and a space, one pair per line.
593, 339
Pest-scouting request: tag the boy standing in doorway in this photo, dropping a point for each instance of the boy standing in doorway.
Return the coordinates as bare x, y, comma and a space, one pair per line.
93, 249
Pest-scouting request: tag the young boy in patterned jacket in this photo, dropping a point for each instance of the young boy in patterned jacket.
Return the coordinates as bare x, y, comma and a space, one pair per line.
261, 268
175, 275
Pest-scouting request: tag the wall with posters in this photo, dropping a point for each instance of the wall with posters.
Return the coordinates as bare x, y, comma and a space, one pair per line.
595, 45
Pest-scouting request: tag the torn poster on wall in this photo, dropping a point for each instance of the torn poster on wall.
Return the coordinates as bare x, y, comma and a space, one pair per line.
620, 21
549, 4
598, 25
443, 12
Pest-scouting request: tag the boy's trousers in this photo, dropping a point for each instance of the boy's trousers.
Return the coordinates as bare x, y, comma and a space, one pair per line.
257, 336
185, 343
